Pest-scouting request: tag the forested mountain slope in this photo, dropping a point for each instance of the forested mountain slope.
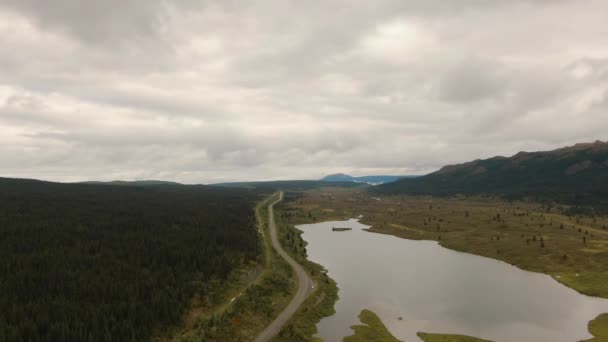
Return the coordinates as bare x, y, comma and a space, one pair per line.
576, 175
81, 262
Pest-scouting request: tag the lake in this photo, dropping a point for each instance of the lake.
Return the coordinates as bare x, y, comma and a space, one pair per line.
437, 290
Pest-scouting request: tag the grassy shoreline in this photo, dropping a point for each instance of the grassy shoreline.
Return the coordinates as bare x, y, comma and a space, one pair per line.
536, 237
249, 313
302, 326
426, 337
531, 236
372, 329
599, 329
246, 307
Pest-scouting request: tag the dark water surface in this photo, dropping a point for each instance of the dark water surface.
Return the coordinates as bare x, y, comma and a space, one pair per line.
438, 290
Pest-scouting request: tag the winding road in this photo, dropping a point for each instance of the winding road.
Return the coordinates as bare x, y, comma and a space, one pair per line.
305, 284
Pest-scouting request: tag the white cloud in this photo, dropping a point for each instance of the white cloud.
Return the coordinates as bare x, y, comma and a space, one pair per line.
399, 41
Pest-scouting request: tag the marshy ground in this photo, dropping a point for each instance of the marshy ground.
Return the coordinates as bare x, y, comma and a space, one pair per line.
532, 236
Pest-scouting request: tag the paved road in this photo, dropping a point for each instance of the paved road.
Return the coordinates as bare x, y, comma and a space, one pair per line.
305, 283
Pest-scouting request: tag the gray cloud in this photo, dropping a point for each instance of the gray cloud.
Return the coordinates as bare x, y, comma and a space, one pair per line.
223, 90
94, 21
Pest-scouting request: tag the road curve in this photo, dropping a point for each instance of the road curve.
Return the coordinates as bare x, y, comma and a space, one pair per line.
305, 283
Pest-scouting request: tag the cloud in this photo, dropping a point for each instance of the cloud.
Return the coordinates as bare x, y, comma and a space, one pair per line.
95, 21
223, 90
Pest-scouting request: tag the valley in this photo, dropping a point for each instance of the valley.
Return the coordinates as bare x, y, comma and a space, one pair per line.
246, 261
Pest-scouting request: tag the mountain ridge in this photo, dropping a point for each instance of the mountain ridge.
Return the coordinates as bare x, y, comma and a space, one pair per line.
576, 174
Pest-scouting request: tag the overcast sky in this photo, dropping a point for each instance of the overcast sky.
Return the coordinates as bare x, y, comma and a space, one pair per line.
210, 91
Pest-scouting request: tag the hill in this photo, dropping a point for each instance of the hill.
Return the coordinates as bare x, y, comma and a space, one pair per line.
574, 175
372, 180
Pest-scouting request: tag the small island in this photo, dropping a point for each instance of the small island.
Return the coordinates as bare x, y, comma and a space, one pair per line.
340, 229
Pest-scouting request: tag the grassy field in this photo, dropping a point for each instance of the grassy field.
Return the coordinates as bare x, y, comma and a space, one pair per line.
372, 330
599, 329
532, 236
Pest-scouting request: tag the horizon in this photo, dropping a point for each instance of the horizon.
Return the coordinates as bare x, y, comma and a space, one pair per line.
353, 174
205, 93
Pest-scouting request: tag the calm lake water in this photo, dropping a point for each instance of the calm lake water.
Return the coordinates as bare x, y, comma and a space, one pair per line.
438, 290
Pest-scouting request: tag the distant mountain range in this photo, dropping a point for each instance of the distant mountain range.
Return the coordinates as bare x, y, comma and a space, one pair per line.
373, 180
290, 185
576, 174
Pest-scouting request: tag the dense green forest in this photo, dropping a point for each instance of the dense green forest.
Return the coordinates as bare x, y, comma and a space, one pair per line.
576, 175
85, 262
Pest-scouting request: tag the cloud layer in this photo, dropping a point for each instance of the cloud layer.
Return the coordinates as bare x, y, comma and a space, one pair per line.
220, 90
